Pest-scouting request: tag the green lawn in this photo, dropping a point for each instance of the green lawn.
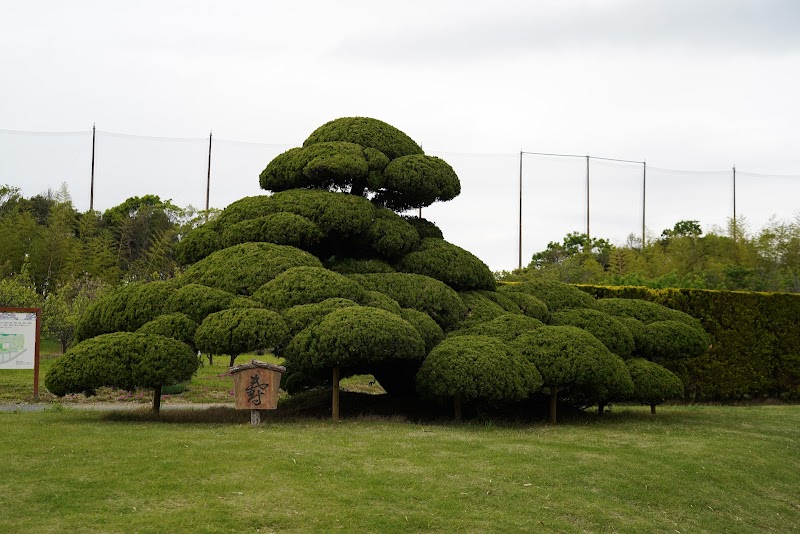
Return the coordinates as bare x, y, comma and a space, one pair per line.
687, 469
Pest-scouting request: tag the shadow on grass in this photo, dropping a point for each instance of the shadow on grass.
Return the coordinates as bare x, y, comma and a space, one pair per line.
316, 405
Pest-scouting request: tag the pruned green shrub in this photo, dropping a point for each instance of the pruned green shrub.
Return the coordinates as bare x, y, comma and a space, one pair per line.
574, 362
376, 299
281, 228
391, 236
647, 312
366, 132
527, 304
123, 310
300, 317
502, 300
338, 215
419, 292
609, 330
424, 227
358, 265
125, 360
417, 181
329, 165
556, 296
432, 334
306, 285
652, 383
244, 268
198, 243
197, 301
175, 325
479, 309
245, 209
240, 330
506, 327
671, 340
449, 263
477, 368
355, 338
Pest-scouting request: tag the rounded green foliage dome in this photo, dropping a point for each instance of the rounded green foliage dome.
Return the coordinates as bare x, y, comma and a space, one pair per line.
652, 383
391, 236
557, 296
527, 304
307, 285
124, 310
449, 263
479, 308
330, 165
239, 330
301, 317
431, 332
366, 132
123, 360
605, 327
356, 338
670, 340
244, 209
419, 292
338, 215
281, 228
242, 269
417, 181
424, 227
197, 301
376, 299
477, 367
358, 266
198, 243
506, 327
175, 325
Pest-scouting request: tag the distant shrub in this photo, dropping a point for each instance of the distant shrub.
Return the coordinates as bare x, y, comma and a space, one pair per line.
198, 243
175, 325
653, 384
557, 296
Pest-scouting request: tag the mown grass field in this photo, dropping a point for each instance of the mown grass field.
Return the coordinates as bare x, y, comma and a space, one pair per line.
687, 469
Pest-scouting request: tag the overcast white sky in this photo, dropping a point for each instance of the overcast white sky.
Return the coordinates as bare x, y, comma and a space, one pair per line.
685, 84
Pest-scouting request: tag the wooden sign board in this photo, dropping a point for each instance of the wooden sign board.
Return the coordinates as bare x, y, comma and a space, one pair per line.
256, 385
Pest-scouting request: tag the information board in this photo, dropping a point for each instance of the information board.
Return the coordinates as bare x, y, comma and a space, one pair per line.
18, 339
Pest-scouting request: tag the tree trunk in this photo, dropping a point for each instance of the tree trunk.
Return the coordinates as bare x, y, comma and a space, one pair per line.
457, 407
553, 402
601, 406
233, 358
652, 408
210, 359
157, 400
335, 394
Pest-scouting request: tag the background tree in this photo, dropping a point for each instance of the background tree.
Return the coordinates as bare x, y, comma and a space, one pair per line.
239, 330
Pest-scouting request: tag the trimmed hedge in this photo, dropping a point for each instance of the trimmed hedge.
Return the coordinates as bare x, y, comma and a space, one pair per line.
307, 285
366, 132
653, 384
612, 332
755, 347
556, 296
175, 325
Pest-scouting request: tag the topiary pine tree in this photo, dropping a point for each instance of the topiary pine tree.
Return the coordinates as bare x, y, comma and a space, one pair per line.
653, 384
239, 330
124, 360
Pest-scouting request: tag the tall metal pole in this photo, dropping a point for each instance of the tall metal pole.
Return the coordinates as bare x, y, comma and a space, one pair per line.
91, 185
520, 210
734, 204
588, 235
208, 177
644, 199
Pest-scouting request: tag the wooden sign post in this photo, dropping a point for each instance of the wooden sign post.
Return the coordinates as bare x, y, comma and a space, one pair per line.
255, 387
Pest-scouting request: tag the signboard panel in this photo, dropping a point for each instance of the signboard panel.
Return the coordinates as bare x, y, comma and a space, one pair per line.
18, 339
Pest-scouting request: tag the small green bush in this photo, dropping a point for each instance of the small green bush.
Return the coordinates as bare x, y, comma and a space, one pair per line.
300, 317
280, 228
506, 327
424, 227
366, 132
477, 367
391, 236
197, 301
328, 165
419, 292
653, 384
479, 309
612, 332
556, 296
417, 181
453, 265
242, 269
239, 330
198, 243
125, 360
307, 285
175, 325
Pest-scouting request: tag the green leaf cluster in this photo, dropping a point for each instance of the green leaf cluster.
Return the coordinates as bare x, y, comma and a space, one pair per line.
449, 263
307, 285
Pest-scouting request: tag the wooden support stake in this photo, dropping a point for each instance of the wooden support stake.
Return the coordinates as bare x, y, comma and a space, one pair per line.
335, 407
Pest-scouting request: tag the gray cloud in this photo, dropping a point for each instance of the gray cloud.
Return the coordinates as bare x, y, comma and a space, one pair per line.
706, 26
